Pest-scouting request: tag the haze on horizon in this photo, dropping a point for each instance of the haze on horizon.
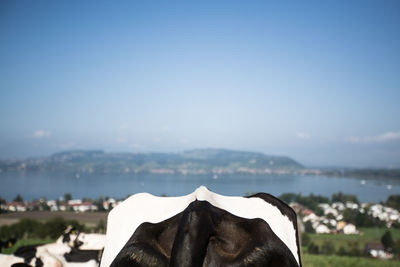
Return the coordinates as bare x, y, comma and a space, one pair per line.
316, 81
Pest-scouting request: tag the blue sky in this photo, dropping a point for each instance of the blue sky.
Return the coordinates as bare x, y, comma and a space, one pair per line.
318, 80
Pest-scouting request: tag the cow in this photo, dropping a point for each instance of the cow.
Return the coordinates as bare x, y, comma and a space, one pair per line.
16, 261
11, 260
83, 241
51, 255
65, 252
202, 229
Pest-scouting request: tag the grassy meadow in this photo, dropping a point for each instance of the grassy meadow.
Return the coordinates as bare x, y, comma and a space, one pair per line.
26, 242
366, 235
343, 250
344, 261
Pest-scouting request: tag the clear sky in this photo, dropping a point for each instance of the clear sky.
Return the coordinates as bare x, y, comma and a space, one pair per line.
315, 80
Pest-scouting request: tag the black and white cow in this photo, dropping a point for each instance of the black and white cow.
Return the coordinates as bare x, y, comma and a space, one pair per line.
56, 255
11, 260
202, 229
82, 241
70, 250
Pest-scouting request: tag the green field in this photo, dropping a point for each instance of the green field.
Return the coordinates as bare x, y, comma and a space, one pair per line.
26, 242
309, 260
367, 235
333, 261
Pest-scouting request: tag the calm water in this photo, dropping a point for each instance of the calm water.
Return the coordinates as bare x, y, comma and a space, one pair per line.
32, 186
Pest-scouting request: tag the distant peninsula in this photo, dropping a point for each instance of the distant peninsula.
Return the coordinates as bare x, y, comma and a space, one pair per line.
192, 162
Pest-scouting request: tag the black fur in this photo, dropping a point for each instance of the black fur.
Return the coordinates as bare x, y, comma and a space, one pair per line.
285, 210
20, 264
203, 235
39, 263
76, 255
66, 238
26, 252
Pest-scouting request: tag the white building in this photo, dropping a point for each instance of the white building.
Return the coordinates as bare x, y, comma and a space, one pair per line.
350, 229
322, 229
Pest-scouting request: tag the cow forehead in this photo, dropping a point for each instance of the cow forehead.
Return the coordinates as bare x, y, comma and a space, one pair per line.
139, 208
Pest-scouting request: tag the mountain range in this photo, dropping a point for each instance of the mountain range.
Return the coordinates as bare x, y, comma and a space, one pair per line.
198, 161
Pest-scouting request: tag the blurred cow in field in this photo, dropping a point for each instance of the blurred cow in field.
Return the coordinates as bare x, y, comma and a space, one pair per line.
84, 251
80, 240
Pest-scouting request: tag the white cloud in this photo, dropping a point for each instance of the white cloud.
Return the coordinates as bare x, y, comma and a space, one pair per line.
302, 135
382, 138
41, 134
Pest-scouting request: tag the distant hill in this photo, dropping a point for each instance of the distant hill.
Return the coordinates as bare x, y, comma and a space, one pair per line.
198, 161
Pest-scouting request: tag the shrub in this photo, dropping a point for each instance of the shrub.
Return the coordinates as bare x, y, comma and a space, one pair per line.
340, 197
327, 248
27, 228
393, 201
308, 227
342, 251
101, 227
18, 199
305, 239
313, 248
354, 249
387, 240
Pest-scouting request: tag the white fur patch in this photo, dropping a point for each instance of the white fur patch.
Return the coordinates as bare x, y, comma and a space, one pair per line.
139, 208
8, 260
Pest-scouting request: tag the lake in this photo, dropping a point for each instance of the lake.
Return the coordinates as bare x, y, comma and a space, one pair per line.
34, 186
